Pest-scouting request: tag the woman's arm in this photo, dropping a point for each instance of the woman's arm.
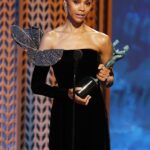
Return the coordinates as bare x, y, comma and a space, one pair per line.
38, 82
39, 86
105, 75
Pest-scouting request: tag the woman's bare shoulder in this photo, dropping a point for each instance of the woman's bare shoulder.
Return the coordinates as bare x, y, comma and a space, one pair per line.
103, 38
100, 39
97, 34
49, 34
49, 39
105, 44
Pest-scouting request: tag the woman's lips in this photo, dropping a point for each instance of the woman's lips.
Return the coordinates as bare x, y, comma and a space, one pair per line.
80, 15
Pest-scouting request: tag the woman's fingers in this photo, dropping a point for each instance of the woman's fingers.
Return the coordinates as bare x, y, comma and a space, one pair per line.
82, 101
103, 73
100, 66
77, 99
88, 99
102, 77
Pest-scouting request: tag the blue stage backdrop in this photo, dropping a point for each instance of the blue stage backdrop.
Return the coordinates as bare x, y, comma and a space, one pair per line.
130, 95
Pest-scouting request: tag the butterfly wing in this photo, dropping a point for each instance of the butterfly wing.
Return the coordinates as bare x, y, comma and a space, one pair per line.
27, 38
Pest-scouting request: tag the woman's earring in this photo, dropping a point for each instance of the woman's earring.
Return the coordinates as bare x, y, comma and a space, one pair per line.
65, 7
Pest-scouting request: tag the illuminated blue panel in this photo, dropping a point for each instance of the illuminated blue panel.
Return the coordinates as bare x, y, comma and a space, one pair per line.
130, 98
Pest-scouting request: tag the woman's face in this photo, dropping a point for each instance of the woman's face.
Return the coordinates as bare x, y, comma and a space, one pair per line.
78, 9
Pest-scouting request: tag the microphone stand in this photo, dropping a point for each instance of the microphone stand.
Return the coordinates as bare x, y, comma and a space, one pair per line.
73, 109
77, 56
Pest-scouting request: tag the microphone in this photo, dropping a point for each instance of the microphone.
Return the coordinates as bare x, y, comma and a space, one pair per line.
77, 55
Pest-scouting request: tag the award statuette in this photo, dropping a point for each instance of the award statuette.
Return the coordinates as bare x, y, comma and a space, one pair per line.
89, 84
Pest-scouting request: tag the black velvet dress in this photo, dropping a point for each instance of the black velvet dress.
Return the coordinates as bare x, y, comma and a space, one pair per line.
91, 126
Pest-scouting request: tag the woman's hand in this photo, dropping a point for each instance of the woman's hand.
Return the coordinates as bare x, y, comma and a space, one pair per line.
77, 99
104, 75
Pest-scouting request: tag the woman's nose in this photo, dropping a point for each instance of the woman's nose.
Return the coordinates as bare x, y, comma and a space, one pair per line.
82, 7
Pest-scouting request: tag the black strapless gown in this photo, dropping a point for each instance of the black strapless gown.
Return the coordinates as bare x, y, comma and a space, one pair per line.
91, 124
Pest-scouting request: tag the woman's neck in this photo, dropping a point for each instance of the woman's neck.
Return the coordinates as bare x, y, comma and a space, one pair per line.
73, 27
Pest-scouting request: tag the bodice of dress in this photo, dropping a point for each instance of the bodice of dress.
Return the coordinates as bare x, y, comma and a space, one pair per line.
86, 66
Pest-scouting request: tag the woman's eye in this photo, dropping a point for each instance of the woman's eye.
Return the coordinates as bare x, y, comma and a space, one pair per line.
88, 3
76, 1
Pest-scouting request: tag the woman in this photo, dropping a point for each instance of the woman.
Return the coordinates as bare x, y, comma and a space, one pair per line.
89, 129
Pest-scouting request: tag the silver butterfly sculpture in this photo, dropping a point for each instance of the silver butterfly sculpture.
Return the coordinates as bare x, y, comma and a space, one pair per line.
30, 40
